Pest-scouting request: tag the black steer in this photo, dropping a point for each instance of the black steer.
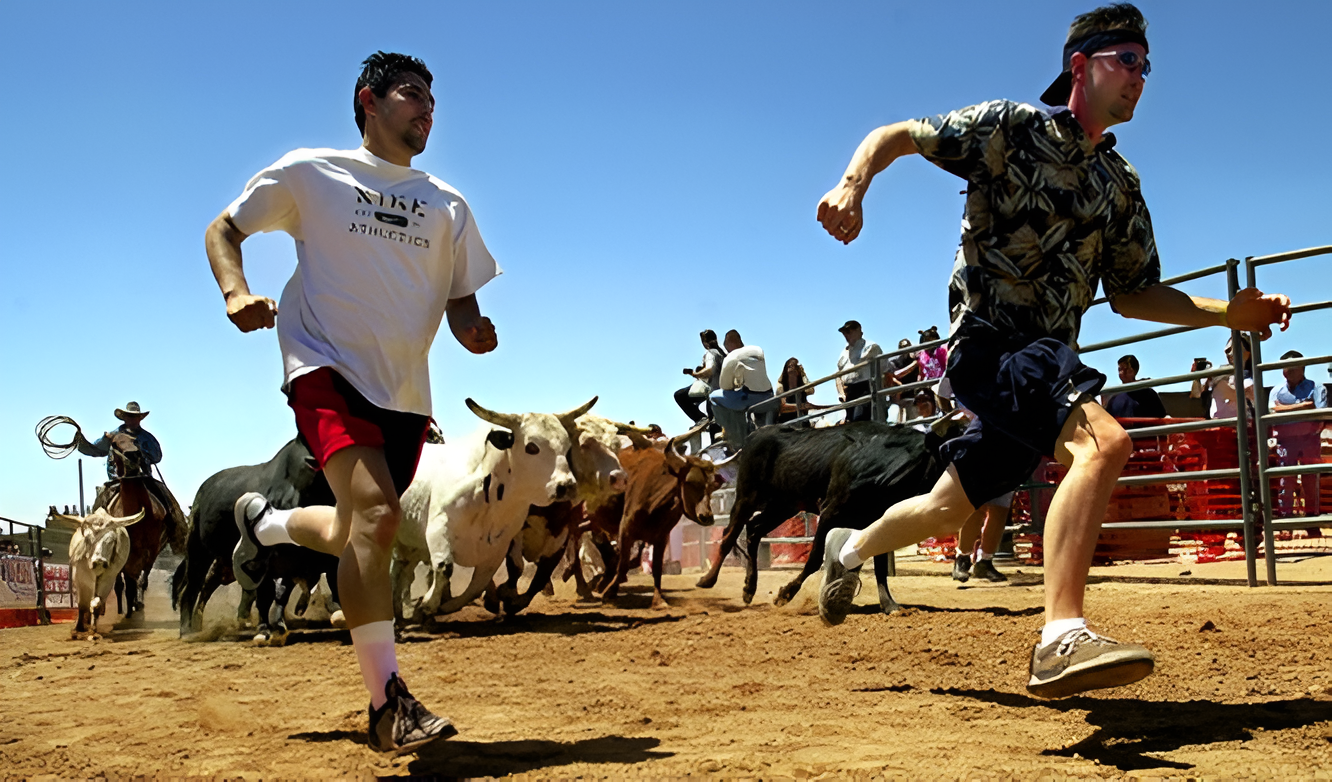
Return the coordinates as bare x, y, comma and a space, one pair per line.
849, 475
288, 480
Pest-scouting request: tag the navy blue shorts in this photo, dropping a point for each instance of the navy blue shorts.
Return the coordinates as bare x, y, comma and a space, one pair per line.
1022, 391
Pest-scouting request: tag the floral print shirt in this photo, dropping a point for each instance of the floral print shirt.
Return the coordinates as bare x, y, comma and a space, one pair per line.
1049, 216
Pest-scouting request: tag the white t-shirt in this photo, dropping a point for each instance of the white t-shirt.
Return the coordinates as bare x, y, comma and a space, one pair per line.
380, 250
745, 368
858, 351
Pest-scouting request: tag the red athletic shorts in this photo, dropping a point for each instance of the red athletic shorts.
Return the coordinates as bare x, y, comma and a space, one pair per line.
331, 415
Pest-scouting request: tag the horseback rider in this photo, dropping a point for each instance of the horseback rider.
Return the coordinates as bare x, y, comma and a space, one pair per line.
150, 451
137, 464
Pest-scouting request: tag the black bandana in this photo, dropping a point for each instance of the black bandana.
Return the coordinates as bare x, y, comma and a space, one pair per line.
1057, 93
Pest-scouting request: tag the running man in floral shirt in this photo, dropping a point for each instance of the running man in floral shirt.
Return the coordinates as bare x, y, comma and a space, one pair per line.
1052, 211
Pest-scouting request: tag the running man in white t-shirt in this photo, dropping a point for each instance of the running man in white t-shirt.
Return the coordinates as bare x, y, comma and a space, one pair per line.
384, 252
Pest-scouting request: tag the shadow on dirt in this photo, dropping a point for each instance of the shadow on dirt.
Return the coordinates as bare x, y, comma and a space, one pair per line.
576, 623
1128, 728
907, 609
469, 759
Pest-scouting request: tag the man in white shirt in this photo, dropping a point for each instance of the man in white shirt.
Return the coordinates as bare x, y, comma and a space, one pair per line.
856, 384
744, 383
383, 252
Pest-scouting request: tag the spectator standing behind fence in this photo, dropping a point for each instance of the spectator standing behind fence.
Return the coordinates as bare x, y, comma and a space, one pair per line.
1298, 441
1221, 390
1142, 403
932, 364
792, 407
743, 383
705, 379
856, 384
902, 369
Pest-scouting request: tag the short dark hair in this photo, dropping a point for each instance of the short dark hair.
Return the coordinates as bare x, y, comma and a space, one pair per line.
380, 71
1116, 16
1131, 360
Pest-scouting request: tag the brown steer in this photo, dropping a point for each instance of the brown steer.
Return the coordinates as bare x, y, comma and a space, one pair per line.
662, 486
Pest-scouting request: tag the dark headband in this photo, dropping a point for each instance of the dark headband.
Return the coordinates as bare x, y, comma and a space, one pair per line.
1057, 93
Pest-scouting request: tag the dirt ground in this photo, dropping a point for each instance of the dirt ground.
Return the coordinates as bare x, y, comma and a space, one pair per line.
709, 687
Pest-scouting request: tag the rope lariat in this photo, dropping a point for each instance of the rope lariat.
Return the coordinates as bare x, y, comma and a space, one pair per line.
53, 449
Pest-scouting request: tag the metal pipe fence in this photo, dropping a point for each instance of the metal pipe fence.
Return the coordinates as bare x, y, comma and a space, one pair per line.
1255, 502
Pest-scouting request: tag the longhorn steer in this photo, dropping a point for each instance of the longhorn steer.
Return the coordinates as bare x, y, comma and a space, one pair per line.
848, 474
663, 486
470, 498
548, 531
98, 550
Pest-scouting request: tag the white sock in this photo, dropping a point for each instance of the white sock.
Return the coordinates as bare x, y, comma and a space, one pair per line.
271, 528
1052, 630
848, 556
982, 555
373, 643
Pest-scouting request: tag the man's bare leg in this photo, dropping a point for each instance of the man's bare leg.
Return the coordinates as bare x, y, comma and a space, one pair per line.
966, 543
1094, 448
941, 512
366, 521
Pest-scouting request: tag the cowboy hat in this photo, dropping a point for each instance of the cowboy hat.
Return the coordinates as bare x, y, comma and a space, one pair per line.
131, 409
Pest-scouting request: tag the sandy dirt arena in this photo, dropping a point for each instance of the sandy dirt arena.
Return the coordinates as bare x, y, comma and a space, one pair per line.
708, 687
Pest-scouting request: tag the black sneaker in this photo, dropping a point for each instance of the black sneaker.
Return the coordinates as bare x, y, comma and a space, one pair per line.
840, 583
246, 560
402, 724
985, 569
1081, 660
962, 568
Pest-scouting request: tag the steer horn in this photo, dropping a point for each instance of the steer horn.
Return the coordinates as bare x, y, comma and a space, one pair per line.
127, 520
568, 418
506, 420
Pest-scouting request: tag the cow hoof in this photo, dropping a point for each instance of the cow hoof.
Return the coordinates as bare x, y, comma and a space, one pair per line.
260, 639
781, 599
748, 597
337, 619
890, 608
279, 639
707, 582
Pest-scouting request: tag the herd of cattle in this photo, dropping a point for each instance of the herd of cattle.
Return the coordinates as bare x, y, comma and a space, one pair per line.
529, 488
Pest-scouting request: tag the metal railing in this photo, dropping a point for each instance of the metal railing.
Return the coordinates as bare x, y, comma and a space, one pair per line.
1256, 503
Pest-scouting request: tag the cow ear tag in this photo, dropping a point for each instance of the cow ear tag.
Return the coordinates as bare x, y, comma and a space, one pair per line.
501, 439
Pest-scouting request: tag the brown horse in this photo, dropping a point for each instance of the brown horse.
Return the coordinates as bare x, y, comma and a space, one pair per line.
162, 521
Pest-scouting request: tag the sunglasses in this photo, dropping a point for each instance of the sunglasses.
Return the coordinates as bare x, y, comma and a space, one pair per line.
1130, 60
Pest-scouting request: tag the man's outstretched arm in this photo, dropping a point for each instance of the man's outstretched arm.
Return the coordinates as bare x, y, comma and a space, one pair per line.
1250, 310
222, 242
839, 211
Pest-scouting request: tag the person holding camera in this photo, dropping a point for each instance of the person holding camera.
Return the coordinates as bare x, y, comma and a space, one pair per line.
1218, 393
706, 378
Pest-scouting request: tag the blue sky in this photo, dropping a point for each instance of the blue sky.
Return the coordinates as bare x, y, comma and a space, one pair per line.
641, 170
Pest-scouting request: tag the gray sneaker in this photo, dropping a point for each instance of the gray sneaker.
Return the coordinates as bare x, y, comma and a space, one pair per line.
403, 724
985, 569
840, 583
1081, 660
962, 568
246, 562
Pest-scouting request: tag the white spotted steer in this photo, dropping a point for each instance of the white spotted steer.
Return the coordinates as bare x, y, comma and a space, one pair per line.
98, 550
470, 498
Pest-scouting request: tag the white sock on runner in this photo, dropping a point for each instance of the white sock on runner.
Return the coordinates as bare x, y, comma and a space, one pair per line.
848, 556
271, 528
1052, 630
373, 643
982, 554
